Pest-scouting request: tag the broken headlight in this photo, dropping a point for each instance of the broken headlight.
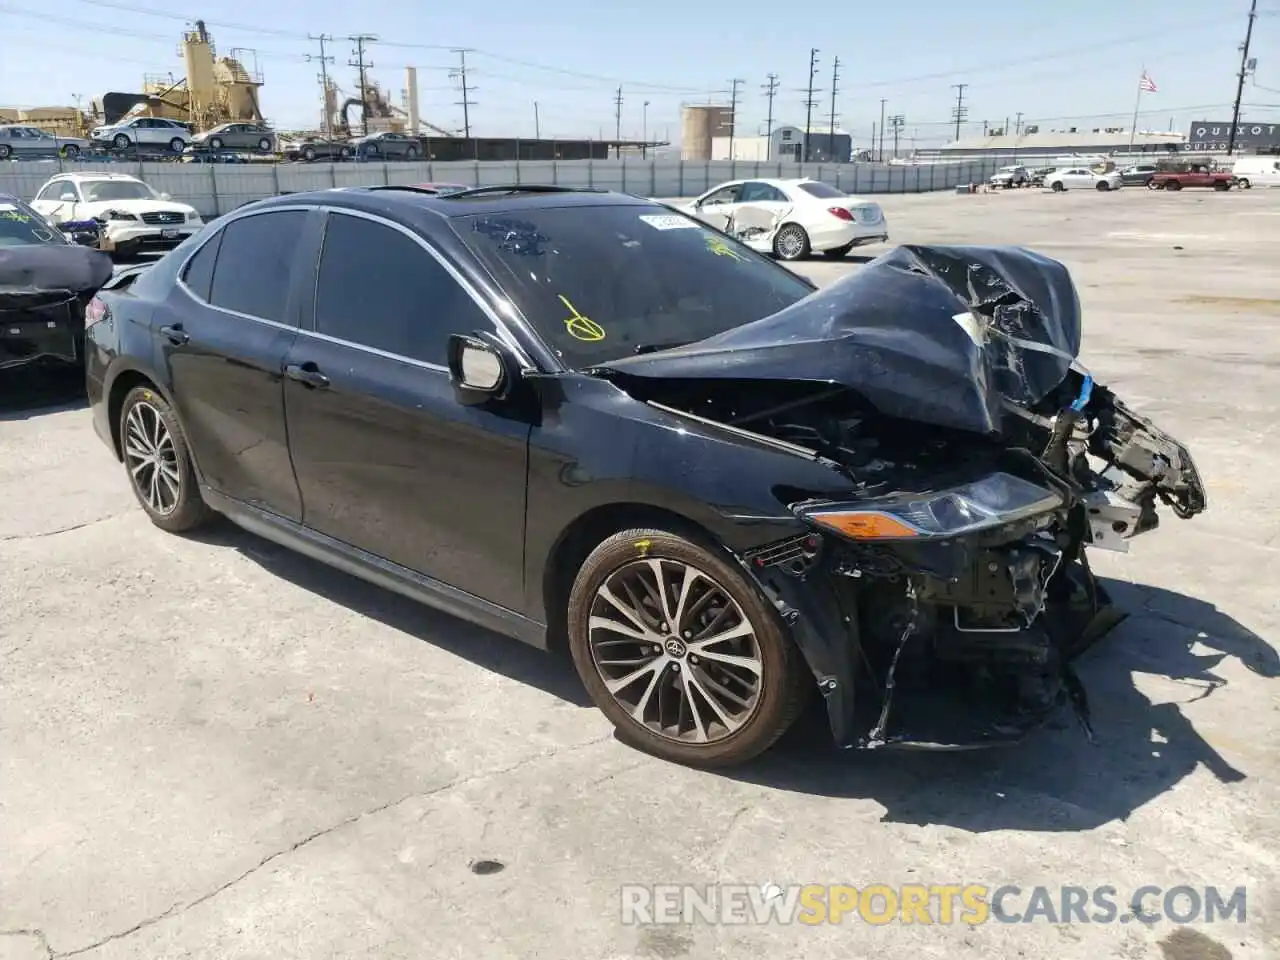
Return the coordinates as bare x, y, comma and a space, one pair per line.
993, 501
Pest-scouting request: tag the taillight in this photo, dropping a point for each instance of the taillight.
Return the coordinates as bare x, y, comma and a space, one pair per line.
840, 213
94, 312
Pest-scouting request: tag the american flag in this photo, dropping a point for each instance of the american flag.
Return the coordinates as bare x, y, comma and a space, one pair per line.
1146, 84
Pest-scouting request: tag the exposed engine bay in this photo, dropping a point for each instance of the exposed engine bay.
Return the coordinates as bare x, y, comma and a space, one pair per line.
941, 601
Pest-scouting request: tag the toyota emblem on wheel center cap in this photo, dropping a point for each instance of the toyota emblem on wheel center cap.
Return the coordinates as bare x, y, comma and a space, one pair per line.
675, 648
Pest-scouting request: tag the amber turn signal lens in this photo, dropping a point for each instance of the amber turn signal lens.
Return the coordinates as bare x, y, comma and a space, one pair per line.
865, 526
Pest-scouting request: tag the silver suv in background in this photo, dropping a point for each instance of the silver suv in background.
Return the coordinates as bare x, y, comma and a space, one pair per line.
154, 133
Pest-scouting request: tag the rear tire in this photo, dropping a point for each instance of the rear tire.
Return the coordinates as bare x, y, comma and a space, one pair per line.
71, 152
1243, 183
177, 145
1103, 186
264, 145
1222, 186
835, 253
677, 710
309, 155
5, 151
1058, 187
121, 141
158, 462
1173, 185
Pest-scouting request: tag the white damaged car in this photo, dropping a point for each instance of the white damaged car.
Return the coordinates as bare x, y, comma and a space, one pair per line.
791, 219
134, 217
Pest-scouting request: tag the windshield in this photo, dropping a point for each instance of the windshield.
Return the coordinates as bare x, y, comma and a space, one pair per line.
822, 191
603, 282
97, 190
20, 227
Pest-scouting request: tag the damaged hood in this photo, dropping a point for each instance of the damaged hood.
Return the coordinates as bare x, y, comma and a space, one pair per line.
943, 335
37, 275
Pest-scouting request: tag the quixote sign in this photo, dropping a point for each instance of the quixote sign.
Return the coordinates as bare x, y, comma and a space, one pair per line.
1207, 135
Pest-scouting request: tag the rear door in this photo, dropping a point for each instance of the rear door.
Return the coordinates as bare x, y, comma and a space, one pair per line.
386, 457
222, 338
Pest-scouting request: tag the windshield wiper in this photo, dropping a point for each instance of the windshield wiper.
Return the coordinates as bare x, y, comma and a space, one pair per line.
655, 347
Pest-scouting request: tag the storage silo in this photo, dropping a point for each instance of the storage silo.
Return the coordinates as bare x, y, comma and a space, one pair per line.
698, 126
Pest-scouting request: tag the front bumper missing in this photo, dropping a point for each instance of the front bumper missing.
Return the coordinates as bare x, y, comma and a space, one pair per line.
909, 694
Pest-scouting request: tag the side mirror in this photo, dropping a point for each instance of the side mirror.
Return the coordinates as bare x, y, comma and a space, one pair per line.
166, 196
481, 370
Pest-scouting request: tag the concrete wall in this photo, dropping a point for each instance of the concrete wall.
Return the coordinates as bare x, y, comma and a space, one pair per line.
215, 189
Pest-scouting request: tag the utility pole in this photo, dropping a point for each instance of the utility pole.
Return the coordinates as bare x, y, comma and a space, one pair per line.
324, 81
644, 130
466, 103
1017, 126
897, 122
733, 111
617, 121
363, 66
960, 112
831, 134
537, 125
880, 152
770, 88
1244, 69
809, 102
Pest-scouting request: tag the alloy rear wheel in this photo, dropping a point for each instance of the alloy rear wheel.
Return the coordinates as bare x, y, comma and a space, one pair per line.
158, 463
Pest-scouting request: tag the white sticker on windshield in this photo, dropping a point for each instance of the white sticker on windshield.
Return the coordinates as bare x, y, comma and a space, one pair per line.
669, 221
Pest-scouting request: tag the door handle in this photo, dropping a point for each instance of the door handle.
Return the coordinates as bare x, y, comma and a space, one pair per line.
175, 333
307, 374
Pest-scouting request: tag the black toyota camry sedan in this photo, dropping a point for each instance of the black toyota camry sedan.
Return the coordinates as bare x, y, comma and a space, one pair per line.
588, 421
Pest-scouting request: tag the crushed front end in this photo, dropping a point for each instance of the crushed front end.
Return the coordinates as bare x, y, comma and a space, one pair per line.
941, 602
941, 605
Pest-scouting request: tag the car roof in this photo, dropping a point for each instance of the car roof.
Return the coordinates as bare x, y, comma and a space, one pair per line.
95, 175
408, 203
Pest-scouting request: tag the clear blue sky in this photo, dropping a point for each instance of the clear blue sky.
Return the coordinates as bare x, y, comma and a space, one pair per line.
1060, 64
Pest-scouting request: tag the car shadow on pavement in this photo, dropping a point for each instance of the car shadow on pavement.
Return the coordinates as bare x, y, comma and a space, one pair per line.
550, 673
1055, 779
27, 392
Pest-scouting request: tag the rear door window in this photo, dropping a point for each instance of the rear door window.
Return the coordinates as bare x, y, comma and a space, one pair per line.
379, 287
254, 262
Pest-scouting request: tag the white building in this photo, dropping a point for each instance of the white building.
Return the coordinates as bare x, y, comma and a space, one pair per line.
787, 143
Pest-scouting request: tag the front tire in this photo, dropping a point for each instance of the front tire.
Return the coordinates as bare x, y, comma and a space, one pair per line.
680, 651
1058, 187
177, 145
158, 463
1103, 186
1243, 183
70, 152
309, 155
121, 141
791, 242
1173, 185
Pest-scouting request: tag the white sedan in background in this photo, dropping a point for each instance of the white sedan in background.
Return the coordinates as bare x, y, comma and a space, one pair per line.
1069, 178
791, 218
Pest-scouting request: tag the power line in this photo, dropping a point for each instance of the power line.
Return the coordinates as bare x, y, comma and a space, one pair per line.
325, 60
770, 88
960, 112
809, 102
1244, 68
897, 122
733, 112
360, 40
460, 74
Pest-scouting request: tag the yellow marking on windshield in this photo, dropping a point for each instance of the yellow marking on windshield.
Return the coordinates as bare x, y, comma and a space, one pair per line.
580, 327
720, 247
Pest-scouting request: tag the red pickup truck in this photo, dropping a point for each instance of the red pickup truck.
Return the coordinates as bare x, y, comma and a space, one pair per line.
1197, 175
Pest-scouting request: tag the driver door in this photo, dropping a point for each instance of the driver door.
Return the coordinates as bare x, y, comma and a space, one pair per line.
716, 208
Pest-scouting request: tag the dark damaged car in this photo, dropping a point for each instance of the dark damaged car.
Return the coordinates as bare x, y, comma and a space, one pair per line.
581, 418
46, 282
